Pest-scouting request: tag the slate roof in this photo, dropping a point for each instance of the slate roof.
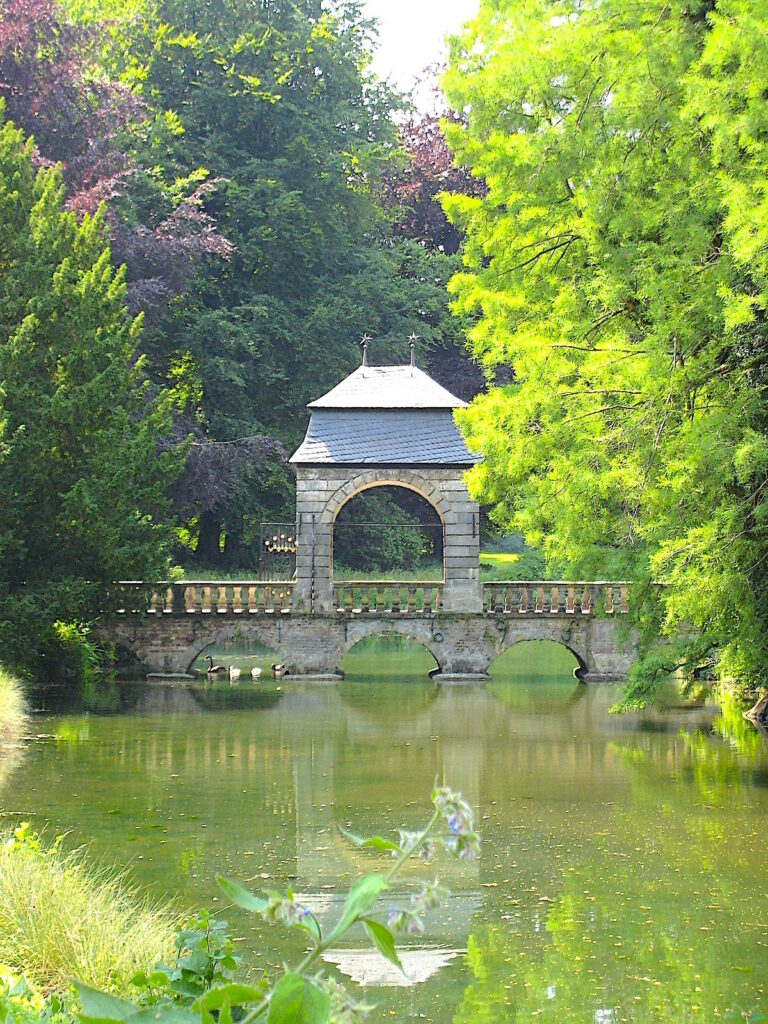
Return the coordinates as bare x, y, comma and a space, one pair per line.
388, 387
385, 416
386, 437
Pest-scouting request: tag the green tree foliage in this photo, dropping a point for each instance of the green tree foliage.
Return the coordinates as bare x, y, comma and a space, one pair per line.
269, 100
387, 530
273, 104
618, 265
82, 482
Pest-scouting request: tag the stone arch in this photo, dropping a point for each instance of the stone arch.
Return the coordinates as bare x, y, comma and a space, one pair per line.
419, 630
263, 633
580, 668
324, 489
371, 479
574, 634
368, 479
171, 646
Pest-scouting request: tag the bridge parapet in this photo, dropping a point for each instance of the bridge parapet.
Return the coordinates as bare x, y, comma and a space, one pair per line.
206, 597
387, 597
371, 597
537, 597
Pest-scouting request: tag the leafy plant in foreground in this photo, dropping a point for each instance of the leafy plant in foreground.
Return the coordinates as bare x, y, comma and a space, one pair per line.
201, 985
21, 1004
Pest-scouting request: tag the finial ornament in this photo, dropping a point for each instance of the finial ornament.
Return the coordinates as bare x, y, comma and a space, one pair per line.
413, 338
364, 343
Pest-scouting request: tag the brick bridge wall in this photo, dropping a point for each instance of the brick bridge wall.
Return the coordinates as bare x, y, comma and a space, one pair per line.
463, 645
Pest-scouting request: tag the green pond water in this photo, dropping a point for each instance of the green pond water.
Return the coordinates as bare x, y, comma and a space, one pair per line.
623, 867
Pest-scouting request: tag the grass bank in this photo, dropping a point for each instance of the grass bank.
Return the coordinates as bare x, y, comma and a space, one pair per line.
13, 710
62, 918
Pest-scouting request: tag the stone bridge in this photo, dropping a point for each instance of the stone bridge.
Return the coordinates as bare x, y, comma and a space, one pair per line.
167, 627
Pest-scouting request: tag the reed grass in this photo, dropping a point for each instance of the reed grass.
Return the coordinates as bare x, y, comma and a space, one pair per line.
13, 710
64, 918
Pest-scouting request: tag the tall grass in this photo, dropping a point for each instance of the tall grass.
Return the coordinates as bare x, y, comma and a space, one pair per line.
13, 710
62, 918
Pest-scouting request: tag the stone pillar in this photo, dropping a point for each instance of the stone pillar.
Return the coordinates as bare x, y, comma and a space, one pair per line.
607, 657
462, 591
312, 591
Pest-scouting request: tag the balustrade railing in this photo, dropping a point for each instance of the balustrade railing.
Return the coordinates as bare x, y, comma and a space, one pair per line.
375, 597
207, 597
387, 597
533, 597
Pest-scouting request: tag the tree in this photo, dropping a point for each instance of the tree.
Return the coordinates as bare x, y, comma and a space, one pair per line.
274, 100
82, 478
617, 265
56, 90
427, 246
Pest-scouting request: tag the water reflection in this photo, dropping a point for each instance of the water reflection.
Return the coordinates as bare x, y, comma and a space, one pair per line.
622, 856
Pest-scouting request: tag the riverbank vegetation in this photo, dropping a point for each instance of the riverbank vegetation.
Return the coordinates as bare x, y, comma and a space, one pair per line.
62, 917
13, 709
617, 266
64, 923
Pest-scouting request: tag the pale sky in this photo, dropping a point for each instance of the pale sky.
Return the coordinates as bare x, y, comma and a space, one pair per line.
412, 33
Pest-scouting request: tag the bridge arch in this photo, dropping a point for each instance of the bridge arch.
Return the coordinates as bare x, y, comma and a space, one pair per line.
542, 645
419, 631
389, 632
261, 632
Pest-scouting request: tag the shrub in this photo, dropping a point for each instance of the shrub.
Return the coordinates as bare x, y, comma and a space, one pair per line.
13, 709
67, 654
21, 1004
61, 918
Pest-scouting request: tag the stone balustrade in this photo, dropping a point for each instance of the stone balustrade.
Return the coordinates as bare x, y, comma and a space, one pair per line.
387, 597
207, 597
534, 597
370, 597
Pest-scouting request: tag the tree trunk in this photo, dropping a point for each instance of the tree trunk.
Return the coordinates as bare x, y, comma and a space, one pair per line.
233, 549
759, 713
208, 550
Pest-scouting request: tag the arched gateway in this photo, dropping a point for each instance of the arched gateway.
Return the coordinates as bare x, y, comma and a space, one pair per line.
382, 426
385, 426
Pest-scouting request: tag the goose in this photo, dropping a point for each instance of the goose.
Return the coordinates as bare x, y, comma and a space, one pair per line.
234, 674
255, 673
278, 671
214, 670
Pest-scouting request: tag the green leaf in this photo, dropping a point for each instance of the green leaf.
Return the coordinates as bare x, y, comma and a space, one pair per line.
375, 842
235, 993
98, 1006
241, 896
164, 1013
312, 925
195, 962
384, 941
297, 1001
360, 900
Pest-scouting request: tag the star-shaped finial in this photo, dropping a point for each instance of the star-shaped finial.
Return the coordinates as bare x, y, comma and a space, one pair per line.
364, 342
413, 338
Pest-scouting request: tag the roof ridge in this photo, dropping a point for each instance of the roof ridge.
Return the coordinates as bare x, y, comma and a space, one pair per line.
388, 387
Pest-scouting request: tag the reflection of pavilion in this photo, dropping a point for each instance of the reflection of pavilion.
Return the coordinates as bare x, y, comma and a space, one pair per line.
326, 862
